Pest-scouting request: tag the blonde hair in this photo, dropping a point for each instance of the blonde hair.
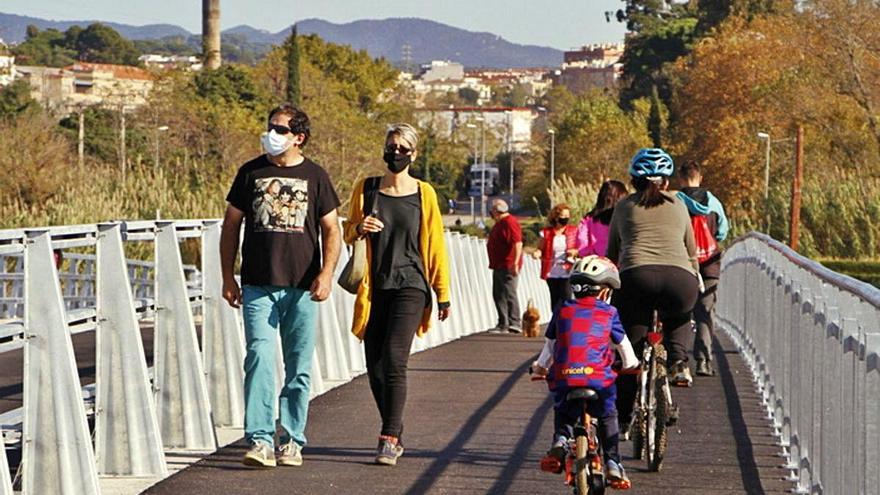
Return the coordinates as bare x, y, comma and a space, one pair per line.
407, 133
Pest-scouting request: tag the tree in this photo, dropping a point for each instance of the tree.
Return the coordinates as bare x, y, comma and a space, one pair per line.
102, 44
15, 99
648, 52
96, 43
294, 96
655, 119
469, 95
48, 48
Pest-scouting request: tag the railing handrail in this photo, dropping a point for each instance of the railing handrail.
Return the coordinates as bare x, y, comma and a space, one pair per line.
863, 290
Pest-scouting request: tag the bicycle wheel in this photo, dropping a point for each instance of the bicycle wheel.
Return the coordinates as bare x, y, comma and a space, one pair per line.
650, 412
661, 394
581, 466
637, 433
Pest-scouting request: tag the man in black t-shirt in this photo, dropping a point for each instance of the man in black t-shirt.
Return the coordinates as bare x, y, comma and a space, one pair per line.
286, 201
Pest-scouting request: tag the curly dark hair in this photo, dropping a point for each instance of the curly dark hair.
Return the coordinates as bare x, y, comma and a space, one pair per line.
555, 212
298, 120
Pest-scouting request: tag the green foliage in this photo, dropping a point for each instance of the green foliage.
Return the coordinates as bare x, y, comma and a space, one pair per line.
96, 43
101, 136
47, 48
101, 43
294, 95
15, 99
595, 138
170, 45
655, 119
361, 79
230, 84
469, 95
649, 51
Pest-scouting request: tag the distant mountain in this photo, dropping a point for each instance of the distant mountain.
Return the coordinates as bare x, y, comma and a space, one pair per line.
428, 40
13, 28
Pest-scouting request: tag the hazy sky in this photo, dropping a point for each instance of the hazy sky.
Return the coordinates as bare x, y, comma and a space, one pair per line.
557, 23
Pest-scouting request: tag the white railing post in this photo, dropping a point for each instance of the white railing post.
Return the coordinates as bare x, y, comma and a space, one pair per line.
57, 452
182, 395
5, 478
127, 439
222, 337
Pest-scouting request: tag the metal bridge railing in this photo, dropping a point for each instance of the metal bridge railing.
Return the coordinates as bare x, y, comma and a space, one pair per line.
812, 339
194, 386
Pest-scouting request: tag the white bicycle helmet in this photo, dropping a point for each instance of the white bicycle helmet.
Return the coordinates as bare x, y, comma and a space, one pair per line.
593, 273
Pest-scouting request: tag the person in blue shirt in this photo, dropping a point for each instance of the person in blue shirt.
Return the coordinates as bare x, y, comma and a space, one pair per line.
579, 351
700, 201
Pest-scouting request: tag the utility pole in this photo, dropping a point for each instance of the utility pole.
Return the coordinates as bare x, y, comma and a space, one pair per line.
122, 141
81, 139
552, 160
211, 34
796, 191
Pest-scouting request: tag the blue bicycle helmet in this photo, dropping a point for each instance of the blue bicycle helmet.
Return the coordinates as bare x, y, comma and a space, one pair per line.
651, 162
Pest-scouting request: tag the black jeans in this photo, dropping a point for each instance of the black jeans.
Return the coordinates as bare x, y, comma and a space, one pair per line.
670, 290
703, 312
395, 316
506, 300
560, 290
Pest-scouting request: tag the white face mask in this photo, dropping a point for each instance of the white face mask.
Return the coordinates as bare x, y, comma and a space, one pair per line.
275, 144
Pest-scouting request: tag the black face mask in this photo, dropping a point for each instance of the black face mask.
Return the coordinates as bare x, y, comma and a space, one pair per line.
561, 221
396, 163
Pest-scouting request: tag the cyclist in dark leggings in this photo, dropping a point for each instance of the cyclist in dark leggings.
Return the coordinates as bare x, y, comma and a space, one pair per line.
652, 241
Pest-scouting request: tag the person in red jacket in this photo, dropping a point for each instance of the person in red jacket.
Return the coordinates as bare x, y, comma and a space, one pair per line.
558, 247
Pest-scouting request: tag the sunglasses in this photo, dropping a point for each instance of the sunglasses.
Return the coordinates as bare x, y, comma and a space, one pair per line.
400, 149
280, 129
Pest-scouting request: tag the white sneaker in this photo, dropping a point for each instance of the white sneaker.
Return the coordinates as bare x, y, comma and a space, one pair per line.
260, 455
290, 454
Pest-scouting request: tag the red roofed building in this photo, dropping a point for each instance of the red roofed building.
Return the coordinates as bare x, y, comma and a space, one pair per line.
87, 84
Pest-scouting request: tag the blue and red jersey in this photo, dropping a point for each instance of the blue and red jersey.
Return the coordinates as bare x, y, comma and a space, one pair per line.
585, 331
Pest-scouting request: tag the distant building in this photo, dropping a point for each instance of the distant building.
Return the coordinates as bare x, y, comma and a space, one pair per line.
510, 125
590, 67
536, 82
86, 84
603, 54
439, 70
167, 62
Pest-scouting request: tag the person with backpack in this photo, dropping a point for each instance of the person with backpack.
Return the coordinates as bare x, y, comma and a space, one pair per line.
710, 227
652, 242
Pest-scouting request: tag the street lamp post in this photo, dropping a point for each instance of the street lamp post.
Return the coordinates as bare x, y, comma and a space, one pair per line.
470, 175
482, 170
510, 151
766, 137
553, 159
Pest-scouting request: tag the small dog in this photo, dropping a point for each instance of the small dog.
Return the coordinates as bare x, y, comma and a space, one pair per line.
530, 319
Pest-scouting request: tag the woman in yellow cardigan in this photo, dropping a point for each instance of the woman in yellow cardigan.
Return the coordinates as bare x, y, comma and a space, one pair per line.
407, 259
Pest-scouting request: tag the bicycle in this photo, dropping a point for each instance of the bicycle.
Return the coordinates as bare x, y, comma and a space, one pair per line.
654, 410
583, 466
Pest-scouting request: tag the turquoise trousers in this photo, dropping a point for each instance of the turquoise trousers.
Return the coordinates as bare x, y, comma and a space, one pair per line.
267, 311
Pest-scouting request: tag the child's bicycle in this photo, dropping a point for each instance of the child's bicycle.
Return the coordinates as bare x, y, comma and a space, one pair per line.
583, 466
654, 409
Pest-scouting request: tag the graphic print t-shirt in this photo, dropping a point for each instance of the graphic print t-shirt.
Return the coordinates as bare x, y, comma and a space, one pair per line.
283, 207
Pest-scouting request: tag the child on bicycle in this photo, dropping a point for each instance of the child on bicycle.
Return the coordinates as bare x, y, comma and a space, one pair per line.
579, 352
